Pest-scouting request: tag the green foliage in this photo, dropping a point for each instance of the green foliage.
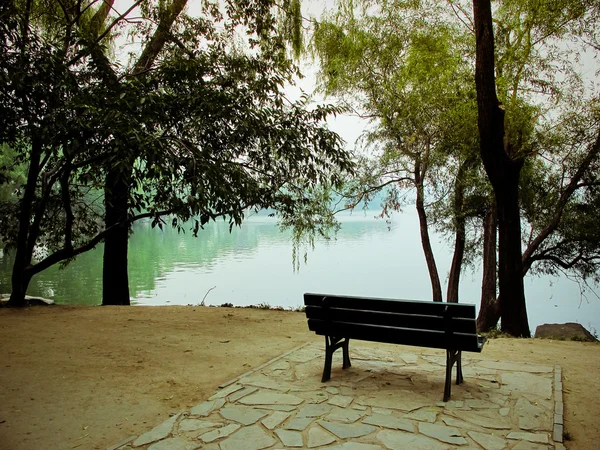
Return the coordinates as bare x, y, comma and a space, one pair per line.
291, 24
495, 333
560, 192
407, 66
12, 174
199, 130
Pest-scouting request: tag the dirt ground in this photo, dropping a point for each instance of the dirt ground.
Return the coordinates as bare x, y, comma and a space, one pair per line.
89, 377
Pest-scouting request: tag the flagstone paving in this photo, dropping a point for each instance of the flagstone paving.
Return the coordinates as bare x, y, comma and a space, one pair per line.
388, 399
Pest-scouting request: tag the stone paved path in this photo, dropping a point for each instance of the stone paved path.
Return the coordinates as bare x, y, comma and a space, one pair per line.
389, 399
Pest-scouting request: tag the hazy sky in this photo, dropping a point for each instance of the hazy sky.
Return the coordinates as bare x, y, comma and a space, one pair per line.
349, 128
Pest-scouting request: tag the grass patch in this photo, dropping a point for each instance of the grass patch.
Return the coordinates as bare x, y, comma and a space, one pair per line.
494, 333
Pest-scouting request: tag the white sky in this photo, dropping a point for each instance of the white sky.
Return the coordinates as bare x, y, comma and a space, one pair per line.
348, 127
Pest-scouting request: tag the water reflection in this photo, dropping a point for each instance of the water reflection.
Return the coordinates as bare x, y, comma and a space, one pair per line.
154, 254
253, 264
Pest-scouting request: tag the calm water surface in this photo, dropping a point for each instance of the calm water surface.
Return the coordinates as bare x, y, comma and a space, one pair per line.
253, 265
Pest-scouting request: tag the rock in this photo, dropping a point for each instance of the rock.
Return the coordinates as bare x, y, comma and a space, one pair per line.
29, 300
423, 415
401, 400
299, 423
270, 398
195, 425
220, 432
248, 438
541, 438
340, 400
531, 417
205, 408
344, 415
354, 446
241, 414
399, 440
157, 433
496, 422
442, 433
346, 431
318, 437
176, 443
275, 419
290, 438
564, 331
388, 421
314, 410
226, 391
488, 441
240, 394
527, 383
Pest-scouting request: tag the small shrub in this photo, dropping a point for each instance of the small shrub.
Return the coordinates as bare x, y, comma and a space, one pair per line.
300, 308
494, 333
263, 306
567, 436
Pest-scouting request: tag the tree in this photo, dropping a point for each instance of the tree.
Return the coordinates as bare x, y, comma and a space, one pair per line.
206, 133
404, 69
535, 73
503, 167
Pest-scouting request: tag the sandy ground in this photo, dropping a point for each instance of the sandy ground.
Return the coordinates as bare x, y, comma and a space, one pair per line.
89, 377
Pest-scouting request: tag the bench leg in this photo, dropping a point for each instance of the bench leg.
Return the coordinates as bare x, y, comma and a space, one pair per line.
448, 384
452, 356
346, 354
331, 345
459, 374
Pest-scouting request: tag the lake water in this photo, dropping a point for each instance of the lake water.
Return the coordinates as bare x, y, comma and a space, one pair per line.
253, 265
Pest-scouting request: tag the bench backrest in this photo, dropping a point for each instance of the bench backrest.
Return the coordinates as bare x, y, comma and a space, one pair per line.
408, 322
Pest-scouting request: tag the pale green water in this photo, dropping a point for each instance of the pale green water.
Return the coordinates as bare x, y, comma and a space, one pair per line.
253, 265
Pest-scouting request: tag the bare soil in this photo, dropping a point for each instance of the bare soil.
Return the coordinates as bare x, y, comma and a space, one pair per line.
89, 377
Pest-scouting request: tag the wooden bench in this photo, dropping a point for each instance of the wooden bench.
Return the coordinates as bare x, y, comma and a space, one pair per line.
449, 326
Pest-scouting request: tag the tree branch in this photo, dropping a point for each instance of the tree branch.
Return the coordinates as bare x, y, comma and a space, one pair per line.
594, 151
85, 52
158, 40
66, 253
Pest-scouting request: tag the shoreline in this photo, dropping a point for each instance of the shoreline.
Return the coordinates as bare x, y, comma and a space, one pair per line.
494, 334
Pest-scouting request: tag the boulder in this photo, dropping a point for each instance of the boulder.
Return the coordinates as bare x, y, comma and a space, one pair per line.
29, 300
564, 331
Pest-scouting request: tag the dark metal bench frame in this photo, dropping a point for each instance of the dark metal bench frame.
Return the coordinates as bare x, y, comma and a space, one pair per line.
449, 326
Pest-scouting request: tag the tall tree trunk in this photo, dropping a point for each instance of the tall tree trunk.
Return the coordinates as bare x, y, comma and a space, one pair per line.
20, 279
489, 310
513, 311
456, 266
115, 281
426, 243
460, 234
503, 170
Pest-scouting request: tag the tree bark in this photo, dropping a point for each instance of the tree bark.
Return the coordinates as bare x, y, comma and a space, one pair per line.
460, 234
436, 287
503, 170
115, 280
20, 279
513, 311
489, 310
